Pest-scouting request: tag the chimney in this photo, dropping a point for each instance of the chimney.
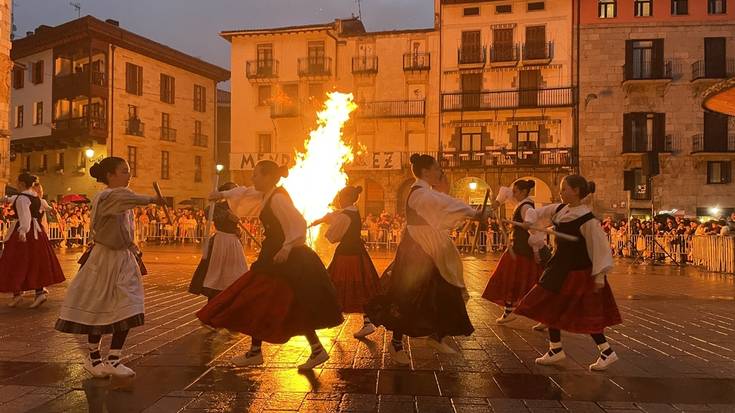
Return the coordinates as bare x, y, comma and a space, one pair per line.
42, 28
113, 22
29, 34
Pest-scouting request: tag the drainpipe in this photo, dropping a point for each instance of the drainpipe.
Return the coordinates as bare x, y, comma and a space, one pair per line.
336, 54
111, 103
576, 83
441, 90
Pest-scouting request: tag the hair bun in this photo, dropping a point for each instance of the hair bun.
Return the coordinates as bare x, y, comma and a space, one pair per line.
283, 171
415, 158
591, 187
358, 189
531, 183
96, 171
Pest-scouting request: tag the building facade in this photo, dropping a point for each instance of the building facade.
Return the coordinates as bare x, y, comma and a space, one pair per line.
5, 65
88, 89
644, 136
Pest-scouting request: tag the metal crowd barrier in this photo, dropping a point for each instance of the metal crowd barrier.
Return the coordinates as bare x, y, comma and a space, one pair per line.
714, 253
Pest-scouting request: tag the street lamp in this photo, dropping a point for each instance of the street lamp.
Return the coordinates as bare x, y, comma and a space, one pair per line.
715, 211
220, 167
89, 153
473, 186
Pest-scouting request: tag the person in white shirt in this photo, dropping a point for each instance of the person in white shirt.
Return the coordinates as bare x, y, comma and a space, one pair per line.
520, 266
422, 289
287, 291
573, 293
352, 271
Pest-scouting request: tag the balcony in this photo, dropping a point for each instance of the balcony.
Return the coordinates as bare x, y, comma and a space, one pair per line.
504, 157
640, 193
134, 127
510, 99
700, 70
535, 53
168, 134
315, 67
200, 140
284, 110
471, 57
84, 83
261, 69
637, 145
85, 125
392, 109
416, 62
644, 71
504, 55
365, 65
702, 143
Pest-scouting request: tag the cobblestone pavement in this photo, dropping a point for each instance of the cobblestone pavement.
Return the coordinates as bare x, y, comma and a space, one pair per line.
676, 348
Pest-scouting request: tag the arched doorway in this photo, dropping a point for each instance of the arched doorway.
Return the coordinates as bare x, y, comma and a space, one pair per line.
372, 200
470, 189
403, 195
541, 193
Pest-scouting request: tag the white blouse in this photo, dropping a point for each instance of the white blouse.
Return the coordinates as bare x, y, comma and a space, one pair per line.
598, 248
536, 239
441, 212
247, 201
338, 224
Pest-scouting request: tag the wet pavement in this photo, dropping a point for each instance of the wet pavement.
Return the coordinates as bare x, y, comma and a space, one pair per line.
676, 348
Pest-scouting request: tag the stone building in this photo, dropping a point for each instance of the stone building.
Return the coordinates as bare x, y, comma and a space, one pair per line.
644, 68
88, 89
5, 64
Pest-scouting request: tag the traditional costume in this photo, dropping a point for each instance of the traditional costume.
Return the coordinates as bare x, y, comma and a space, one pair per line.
28, 261
565, 297
225, 260
422, 289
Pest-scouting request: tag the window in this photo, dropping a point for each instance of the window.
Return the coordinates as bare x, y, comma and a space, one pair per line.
640, 185
19, 116
643, 8
717, 6
643, 132
165, 120
60, 162
168, 87
197, 168
164, 164
28, 163
133, 160
505, 8
292, 94
471, 11
264, 143
265, 59
538, 5
44, 162
167, 133
134, 79
200, 98
645, 60
199, 138
38, 113
719, 172
607, 9
316, 91
264, 95
679, 7
470, 141
37, 72
18, 78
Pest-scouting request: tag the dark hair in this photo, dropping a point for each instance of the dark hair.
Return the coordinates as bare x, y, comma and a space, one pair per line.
525, 185
27, 179
421, 162
349, 194
227, 186
579, 182
106, 166
271, 168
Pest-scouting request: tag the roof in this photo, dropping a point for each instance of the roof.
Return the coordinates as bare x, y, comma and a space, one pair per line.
350, 26
46, 37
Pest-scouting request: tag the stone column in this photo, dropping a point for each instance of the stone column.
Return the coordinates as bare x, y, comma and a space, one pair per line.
5, 66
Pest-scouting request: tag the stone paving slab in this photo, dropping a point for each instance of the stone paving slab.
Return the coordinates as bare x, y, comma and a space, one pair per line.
677, 350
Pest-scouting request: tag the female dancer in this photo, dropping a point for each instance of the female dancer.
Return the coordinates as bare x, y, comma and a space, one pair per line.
519, 268
287, 291
573, 294
352, 271
28, 261
225, 259
106, 295
422, 290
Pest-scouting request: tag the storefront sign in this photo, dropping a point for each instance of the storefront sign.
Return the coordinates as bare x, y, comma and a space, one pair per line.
367, 161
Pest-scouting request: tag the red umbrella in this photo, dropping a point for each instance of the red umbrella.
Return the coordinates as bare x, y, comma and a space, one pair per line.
74, 198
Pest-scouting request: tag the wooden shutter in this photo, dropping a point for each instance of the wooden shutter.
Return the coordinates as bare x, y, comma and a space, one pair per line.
715, 57
726, 171
139, 86
715, 132
659, 132
628, 180
628, 119
164, 96
129, 77
657, 59
628, 59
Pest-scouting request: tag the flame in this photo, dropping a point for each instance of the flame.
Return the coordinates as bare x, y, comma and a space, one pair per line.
319, 174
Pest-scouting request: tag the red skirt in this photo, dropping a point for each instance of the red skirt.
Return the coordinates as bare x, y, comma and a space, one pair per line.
576, 308
29, 265
512, 280
355, 279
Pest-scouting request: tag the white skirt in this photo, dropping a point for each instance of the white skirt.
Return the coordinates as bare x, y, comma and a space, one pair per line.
227, 262
106, 290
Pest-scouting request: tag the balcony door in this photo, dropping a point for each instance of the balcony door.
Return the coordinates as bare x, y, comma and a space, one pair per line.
265, 59
715, 132
528, 85
471, 47
502, 45
316, 57
471, 88
715, 57
535, 42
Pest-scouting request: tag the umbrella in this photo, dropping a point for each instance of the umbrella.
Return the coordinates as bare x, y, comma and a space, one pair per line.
74, 198
10, 191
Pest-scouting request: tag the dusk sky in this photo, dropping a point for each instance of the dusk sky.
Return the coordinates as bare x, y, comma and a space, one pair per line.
192, 26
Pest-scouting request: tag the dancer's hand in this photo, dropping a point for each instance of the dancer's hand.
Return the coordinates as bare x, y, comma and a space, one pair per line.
21, 237
281, 256
599, 282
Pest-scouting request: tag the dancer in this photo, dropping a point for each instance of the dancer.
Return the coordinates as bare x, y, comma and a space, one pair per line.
352, 271
28, 261
106, 295
287, 291
573, 293
224, 261
519, 268
422, 290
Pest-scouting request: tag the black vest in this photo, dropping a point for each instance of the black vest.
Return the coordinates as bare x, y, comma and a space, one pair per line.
413, 217
351, 243
520, 236
35, 206
225, 220
273, 232
568, 255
